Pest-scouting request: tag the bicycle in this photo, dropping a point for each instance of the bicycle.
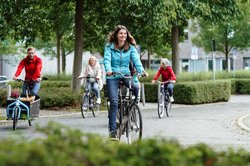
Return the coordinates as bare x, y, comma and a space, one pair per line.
164, 103
23, 107
129, 118
91, 98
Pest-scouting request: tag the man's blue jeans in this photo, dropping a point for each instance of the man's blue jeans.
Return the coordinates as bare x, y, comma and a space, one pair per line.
34, 91
112, 85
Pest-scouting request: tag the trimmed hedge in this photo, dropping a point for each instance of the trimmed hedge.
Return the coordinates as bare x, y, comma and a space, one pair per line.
202, 92
57, 94
59, 97
242, 86
44, 84
194, 92
64, 146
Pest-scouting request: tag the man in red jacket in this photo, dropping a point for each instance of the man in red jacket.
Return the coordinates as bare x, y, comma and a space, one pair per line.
33, 67
167, 74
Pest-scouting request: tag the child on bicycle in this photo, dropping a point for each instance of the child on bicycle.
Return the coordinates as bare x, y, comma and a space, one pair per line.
167, 74
93, 69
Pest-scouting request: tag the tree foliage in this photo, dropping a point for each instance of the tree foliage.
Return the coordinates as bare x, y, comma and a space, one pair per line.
232, 32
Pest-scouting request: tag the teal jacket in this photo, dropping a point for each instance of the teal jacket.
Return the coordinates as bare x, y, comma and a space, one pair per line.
118, 60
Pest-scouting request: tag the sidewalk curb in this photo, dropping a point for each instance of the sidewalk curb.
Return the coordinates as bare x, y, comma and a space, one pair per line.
241, 123
45, 116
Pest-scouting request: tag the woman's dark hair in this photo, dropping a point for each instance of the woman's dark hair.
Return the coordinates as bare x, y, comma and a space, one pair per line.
113, 37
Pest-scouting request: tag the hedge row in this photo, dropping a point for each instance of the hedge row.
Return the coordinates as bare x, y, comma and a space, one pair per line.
194, 92
64, 146
44, 84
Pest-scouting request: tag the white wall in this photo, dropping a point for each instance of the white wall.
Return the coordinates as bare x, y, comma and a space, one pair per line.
49, 65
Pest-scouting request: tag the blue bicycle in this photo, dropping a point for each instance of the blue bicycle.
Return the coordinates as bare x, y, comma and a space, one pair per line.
23, 107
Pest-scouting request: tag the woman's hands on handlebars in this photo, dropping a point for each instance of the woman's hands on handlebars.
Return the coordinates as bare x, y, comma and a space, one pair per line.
143, 74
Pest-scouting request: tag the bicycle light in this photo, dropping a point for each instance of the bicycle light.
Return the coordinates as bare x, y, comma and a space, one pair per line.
17, 103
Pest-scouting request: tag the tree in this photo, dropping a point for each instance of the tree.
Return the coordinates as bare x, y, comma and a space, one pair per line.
77, 66
231, 33
183, 10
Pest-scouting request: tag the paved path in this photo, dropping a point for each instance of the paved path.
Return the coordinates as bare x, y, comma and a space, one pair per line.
243, 122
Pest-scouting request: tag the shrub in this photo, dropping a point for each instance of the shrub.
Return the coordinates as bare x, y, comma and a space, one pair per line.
58, 97
62, 145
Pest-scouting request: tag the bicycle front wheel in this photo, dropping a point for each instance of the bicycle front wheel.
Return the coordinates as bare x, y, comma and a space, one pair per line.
134, 125
161, 105
15, 118
85, 106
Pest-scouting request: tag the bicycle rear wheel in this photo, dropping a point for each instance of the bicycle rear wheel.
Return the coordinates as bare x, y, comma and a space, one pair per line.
168, 107
15, 111
134, 125
161, 105
96, 108
31, 121
85, 105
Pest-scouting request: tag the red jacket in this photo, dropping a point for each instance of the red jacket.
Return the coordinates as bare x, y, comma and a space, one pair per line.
32, 67
166, 74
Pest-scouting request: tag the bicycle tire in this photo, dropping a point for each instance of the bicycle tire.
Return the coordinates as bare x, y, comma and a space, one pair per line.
134, 125
161, 105
96, 108
168, 106
15, 118
85, 110
119, 117
31, 121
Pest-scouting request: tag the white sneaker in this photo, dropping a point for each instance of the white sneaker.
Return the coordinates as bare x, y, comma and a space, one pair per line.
171, 99
98, 101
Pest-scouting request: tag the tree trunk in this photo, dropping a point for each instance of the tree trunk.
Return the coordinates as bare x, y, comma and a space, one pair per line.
77, 67
149, 59
175, 49
63, 60
58, 55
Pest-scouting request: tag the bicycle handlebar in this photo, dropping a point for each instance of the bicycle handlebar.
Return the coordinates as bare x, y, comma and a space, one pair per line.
165, 82
22, 80
129, 76
88, 77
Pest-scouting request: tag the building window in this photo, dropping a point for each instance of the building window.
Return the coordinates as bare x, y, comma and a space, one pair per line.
184, 65
224, 64
246, 63
210, 64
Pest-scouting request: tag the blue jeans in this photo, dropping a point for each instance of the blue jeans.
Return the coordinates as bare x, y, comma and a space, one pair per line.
94, 86
112, 85
170, 88
35, 89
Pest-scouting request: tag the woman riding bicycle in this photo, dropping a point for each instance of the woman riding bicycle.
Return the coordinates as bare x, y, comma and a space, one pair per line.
33, 67
93, 70
167, 74
117, 55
